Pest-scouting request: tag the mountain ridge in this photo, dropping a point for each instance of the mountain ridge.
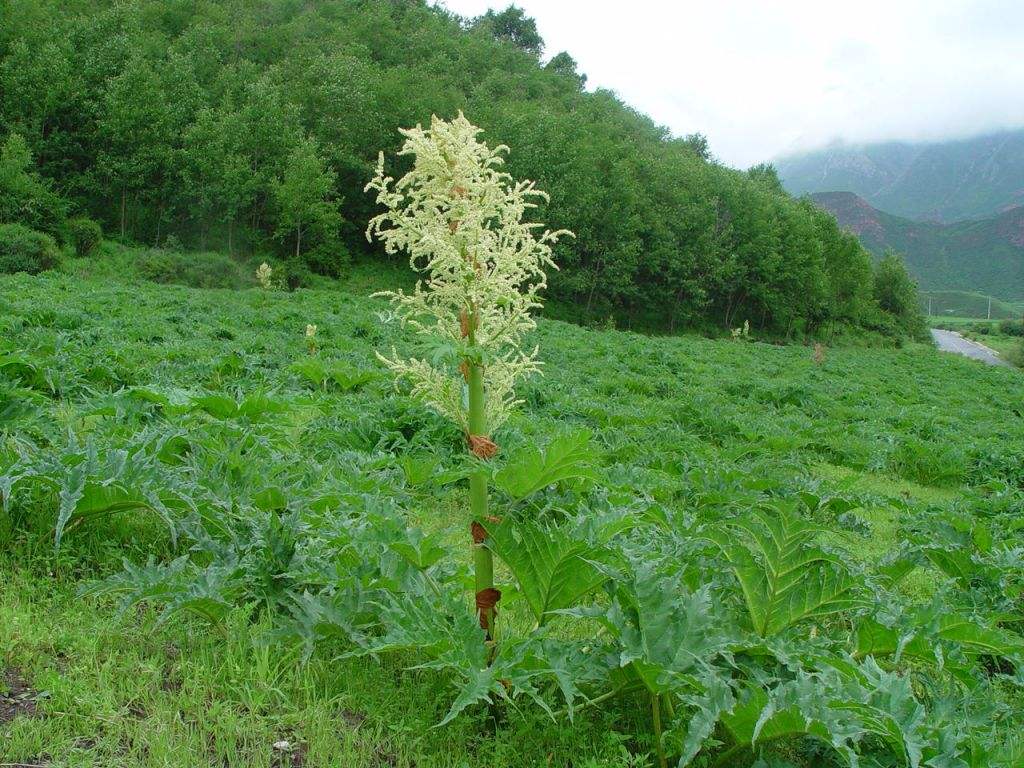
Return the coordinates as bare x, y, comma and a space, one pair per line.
949, 181
973, 254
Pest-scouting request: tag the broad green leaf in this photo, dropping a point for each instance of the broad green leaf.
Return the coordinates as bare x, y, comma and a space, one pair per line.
568, 456
874, 639
956, 564
347, 378
977, 639
896, 570
418, 550
756, 719
20, 369
311, 369
216, 405
419, 468
258, 404
549, 565
784, 578
82, 499
149, 396
270, 499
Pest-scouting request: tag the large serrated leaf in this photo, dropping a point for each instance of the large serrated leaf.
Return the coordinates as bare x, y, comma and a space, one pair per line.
956, 564
550, 566
82, 499
874, 639
784, 578
478, 686
568, 456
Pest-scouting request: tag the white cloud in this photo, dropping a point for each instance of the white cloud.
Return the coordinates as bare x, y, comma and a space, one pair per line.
763, 78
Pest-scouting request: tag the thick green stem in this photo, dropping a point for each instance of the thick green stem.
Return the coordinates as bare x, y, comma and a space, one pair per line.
483, 560
670, 709
656, 717
591, 702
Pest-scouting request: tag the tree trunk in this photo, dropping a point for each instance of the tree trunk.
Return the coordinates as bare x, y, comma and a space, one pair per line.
593, 288
231, 236
124, 204
298, 242
159, 221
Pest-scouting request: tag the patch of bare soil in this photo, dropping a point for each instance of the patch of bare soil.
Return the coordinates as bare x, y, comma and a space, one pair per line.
16, 696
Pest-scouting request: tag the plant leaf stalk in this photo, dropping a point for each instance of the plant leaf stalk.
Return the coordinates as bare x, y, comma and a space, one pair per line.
483, 559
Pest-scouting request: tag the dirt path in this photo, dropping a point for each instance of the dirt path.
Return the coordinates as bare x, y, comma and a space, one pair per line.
951, 341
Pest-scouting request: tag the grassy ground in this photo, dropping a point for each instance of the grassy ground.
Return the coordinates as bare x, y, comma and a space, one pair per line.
690, 422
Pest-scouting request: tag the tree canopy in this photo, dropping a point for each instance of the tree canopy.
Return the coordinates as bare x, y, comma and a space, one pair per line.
200, 120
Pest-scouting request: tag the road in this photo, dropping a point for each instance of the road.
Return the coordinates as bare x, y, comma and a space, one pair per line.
951, 341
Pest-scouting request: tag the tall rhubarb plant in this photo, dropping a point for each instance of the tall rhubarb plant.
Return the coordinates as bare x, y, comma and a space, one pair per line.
459, 217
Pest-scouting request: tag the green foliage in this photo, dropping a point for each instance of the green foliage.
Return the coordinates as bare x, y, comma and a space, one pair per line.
896, 294
552, 566
244, 125
199, 270
567, 457
25, 197
512, 26
1012, 327
305, 206
25, 250
336, 374
742, 547
1016, 356
84, 235
783, 578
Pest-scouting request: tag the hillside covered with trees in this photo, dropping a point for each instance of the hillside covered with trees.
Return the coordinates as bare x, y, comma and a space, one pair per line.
252, 127
983, 255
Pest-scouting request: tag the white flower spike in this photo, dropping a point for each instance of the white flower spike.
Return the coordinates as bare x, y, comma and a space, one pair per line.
460, 220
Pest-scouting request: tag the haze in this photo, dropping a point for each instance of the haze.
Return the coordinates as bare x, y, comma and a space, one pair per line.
762, 80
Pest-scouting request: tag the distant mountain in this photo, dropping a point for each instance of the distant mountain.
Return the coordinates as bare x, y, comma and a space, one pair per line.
985, 255
947, 181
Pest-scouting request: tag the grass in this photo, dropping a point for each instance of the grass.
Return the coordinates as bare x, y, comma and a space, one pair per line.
130, 692
689, 422
967, 304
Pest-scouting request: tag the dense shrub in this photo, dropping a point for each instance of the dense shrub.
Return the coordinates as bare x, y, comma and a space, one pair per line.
25, 197
896, 294
1012, 327
1016, 356
327, 258
295, 274
25, 250
198, 270
83, 234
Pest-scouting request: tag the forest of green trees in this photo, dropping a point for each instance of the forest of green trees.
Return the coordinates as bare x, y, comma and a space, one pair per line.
253, 126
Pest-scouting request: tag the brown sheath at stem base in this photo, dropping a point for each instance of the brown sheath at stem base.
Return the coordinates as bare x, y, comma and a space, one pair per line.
486, 605
482, 446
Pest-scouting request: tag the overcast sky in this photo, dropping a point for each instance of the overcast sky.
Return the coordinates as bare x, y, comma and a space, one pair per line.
764, 78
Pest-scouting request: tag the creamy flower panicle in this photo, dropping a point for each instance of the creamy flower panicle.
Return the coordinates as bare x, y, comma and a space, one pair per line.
459, 217
265, 276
